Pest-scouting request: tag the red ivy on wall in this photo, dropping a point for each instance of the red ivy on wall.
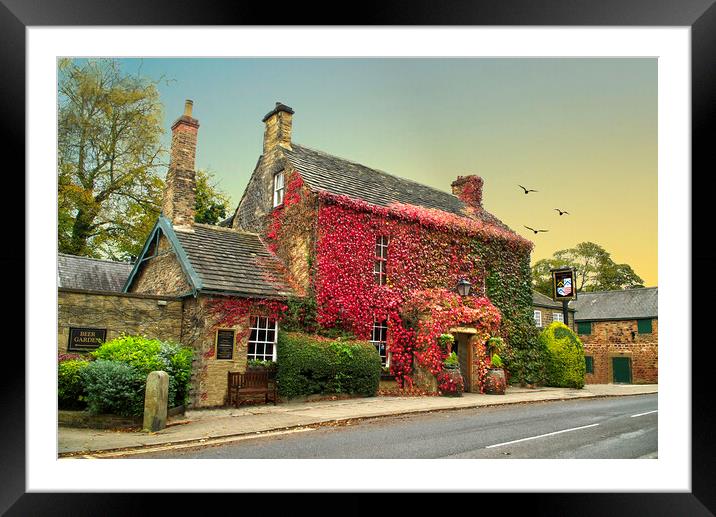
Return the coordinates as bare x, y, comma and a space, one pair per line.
429, 251
235, 312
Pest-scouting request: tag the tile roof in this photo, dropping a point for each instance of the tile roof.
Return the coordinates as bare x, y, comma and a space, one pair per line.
230, 261
322, 171
75, 272
613, 305
540, 300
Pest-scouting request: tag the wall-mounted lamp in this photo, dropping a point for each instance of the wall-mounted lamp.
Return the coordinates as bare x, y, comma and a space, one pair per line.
463, 287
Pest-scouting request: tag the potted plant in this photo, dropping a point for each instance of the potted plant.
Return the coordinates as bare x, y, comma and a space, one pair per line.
450, 381
495, 381
446, 342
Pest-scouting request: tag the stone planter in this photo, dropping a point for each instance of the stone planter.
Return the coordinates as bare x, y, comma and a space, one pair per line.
452, 377
495, 383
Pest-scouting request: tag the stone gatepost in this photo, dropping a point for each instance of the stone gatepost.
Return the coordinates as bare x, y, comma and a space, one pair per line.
155, 401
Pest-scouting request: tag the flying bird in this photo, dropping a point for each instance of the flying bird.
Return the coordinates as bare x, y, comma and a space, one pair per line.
561, 212
527, 191
535, 230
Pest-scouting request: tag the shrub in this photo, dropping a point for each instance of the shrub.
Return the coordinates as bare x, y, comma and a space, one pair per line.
147, 355
70, 388
565, 356
309, 364
113, 387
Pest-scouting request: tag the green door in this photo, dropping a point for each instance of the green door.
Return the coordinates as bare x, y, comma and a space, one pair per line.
622, 369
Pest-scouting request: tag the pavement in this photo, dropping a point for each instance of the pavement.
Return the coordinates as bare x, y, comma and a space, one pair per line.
210, 426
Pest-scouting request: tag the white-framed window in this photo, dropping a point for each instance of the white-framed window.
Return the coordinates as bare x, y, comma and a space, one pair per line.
262, 339
538, 318
278, 188
558, 316
381, 260
379, 338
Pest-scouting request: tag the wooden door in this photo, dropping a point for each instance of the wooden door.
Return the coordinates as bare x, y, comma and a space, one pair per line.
464, 356
621, 368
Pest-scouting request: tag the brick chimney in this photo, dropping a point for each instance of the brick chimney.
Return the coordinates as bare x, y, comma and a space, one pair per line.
179, 192
278, 127
468, 189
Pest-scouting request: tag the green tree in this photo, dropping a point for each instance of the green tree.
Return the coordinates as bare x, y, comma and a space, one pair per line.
596, 271
211, 204
618, 276
109, 155
109, 160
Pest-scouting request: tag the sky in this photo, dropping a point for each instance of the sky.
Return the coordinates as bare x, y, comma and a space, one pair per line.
581, 131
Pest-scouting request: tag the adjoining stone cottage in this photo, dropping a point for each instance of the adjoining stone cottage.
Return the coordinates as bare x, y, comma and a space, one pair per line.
356, 242
620, 332
546, 310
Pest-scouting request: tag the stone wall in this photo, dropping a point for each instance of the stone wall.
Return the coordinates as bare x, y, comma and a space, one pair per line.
548, 317
614, 339
209, 374
620, 331
118, 313
257, 201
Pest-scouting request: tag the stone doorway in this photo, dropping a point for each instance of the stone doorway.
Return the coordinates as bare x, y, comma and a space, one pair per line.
463, 349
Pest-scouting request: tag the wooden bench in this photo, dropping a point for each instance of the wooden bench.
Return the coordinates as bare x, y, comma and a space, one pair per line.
243, 386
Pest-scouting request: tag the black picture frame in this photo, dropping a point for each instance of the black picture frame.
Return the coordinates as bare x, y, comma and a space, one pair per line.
699, 15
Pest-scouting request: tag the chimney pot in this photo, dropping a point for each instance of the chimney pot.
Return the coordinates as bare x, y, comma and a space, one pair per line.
188, 105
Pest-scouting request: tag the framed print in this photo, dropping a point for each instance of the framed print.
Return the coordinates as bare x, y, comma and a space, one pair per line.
680, 37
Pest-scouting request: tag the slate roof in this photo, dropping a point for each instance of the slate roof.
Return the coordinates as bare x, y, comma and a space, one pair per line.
540, 300
75, 272
324, 172
230, 261
617, 305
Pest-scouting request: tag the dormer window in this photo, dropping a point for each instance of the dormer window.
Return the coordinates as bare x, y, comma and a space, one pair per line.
381, 260
278, 189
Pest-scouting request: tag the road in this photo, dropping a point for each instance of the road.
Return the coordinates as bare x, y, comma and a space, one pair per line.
619, 427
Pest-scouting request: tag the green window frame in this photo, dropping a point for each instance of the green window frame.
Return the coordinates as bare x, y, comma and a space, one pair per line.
643, 326
584, 327
589, 364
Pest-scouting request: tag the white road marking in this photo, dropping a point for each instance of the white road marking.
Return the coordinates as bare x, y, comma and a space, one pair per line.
647, 413
541, 436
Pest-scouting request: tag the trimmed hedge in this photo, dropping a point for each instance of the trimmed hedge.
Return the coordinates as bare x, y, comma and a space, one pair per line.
565, 356
309, 364
70, 389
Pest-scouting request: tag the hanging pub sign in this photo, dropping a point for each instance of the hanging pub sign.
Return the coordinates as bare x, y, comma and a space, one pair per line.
564, 284
225, 344
85, 339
